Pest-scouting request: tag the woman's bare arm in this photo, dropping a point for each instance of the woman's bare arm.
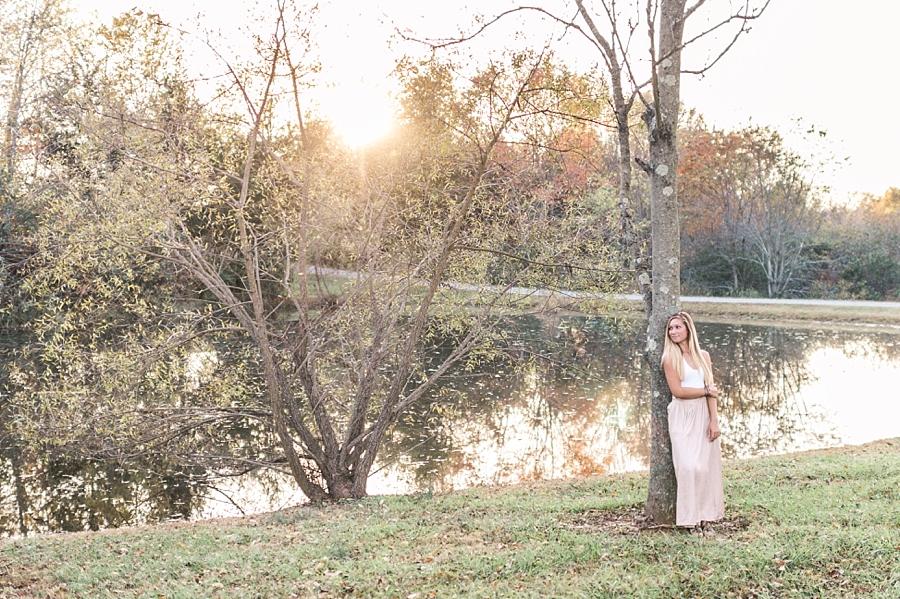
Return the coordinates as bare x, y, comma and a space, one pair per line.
675, 384
713, 432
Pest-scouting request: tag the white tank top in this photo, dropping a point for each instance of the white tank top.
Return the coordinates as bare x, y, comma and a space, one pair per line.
692, 378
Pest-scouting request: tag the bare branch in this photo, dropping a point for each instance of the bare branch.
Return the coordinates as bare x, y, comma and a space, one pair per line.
688, 12
444, 43
600, 41
743, 29
745, 18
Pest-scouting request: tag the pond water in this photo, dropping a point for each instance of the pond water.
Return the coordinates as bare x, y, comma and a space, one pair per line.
578, 405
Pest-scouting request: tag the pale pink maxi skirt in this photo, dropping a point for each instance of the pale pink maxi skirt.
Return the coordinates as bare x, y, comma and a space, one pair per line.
698, 464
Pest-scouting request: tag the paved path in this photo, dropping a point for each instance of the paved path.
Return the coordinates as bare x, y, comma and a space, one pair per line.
634, 296
796, 302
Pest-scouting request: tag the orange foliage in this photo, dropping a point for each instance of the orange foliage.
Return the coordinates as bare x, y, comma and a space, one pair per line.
720, 174
887, 204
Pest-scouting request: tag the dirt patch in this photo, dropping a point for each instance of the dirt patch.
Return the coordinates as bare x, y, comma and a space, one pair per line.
630, 520
20, 584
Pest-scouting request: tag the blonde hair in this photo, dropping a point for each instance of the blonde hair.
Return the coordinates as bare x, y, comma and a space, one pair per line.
672, 352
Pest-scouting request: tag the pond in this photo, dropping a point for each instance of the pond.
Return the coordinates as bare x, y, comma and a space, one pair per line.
577, 405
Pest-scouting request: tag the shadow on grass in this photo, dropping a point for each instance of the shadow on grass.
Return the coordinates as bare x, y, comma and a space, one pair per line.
630, 520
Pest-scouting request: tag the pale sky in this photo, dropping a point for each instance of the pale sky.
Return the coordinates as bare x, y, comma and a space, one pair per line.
820, 61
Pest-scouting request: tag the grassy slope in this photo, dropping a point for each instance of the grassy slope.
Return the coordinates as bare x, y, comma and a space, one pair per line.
869, 316
816, 524
830, 314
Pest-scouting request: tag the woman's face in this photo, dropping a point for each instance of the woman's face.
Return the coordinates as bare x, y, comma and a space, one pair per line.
677, 330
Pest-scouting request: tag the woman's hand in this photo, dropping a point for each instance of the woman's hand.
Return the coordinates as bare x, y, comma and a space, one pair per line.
712, 391
713, 432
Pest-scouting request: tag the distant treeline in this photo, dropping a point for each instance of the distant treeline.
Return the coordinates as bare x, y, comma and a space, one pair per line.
754, 225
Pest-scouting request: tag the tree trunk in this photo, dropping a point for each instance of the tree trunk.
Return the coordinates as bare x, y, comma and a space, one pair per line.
21, 494
662, 121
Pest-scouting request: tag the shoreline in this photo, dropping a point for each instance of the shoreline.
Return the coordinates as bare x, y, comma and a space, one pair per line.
814, 523
638, 473
862, 317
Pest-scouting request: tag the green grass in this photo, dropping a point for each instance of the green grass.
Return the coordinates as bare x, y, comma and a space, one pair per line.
830, 314
816, 524
790, 313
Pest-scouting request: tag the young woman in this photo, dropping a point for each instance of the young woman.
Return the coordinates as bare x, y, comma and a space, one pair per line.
693, 425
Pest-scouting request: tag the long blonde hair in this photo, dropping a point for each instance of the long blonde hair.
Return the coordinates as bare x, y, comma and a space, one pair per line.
672, 352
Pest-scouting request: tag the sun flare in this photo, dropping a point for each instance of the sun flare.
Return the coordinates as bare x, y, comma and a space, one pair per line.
361, 113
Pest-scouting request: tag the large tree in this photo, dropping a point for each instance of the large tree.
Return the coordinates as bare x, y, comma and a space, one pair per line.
651, 74
209, 264
664, 22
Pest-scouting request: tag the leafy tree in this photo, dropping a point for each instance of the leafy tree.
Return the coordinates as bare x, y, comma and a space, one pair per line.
748, 201
864, 244
34, 40
32, 47
185, 287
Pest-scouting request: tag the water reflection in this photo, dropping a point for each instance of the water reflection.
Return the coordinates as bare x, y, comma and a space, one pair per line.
574, 401
582, 408
72, 495
567, 411
761, 373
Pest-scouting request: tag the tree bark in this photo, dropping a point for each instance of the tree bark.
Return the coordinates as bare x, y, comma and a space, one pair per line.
662, 121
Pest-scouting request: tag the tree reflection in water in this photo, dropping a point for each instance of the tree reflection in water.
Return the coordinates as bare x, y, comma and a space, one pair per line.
770, 400
72, 495
561, 406
761, 371
571, 398
579, 406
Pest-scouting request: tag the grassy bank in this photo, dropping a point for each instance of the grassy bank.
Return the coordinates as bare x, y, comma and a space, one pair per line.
795, 313
872, 314
816, 524
788, 313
